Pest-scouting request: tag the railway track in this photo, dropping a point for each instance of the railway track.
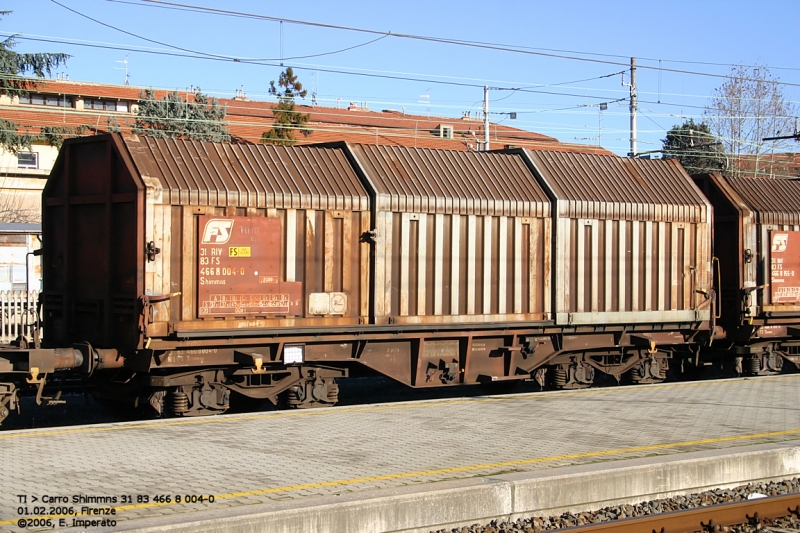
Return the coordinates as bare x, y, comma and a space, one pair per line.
750, 515
763, 507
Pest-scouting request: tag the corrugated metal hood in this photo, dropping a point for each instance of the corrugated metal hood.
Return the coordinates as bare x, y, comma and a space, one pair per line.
248, 175
775, 200
604, 187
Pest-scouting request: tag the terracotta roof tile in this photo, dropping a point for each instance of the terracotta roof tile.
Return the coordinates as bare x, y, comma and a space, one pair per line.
248, 119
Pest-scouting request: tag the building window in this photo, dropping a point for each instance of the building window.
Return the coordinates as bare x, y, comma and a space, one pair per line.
445, 131
96, 104
55, 100
27, 160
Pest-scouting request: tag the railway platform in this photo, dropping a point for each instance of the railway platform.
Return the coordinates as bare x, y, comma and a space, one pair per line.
415, 466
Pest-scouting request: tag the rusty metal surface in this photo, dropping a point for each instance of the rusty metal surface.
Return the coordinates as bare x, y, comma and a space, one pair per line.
774, 200
604, 187
785, 267
239, 272
92, 219
442, 181
753, 219
632, 241
635, 271
246, 175
701, 518
67, 358
460, 237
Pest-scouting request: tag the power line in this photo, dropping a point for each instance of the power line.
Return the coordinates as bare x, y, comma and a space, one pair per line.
264, 63
442, 40
203, 55
232, 58
200, 9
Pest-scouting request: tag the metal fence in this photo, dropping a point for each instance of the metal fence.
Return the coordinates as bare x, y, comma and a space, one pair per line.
17, 314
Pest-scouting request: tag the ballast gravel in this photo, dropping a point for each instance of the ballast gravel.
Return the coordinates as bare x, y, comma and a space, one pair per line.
664, 505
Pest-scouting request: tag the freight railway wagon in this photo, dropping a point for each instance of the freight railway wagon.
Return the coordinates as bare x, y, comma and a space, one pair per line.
178, 272
757, 245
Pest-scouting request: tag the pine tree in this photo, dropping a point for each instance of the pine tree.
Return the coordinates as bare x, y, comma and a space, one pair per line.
287, 119
13, 69
695, 147
173, 118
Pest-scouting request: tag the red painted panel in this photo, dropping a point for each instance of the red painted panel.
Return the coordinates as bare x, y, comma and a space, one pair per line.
239, 269
785, 266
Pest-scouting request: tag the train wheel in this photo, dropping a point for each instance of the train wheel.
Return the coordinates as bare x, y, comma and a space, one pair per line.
790, 363
8, 399
574, 375
649, 370
199, 400
315, 392
765, 364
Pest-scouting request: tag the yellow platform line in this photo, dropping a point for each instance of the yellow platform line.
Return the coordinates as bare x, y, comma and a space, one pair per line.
371, 408
455, 469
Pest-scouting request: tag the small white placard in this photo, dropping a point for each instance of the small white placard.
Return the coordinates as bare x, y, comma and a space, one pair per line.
319, 303
292, 354
338, 303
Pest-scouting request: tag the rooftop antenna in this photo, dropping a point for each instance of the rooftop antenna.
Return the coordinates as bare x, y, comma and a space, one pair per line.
426, 99
125, 68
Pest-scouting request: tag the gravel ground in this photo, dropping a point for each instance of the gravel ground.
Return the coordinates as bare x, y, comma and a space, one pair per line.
665, 505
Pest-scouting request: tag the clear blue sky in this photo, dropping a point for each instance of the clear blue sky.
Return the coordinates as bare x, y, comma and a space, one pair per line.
698, 36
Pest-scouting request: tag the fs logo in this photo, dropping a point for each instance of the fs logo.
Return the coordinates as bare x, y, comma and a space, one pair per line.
218, 231
780, 242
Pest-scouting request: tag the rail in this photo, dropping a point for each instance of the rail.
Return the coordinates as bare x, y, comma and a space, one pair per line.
705, 519
17, 314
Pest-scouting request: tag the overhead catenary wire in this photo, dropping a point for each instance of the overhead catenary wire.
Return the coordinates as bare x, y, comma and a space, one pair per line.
319, 115
413, 78
232, 58
164, 5
515, 90
328, 128
300, 67
459, 42
500, 47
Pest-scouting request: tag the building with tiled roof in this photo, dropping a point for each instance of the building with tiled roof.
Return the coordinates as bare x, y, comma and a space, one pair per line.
779, 165
60, 106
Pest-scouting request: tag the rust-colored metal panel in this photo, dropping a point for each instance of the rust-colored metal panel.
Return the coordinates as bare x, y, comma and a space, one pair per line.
294, 268
449, 268
256, 176
411, 180
633, 239
775, 200
769, 207
308, 200
239, 272
785, 267
126, 215
460, 237
749, 214
607, 187
92, 220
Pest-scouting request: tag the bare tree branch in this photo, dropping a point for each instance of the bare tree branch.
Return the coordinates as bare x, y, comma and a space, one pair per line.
747, 107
